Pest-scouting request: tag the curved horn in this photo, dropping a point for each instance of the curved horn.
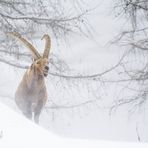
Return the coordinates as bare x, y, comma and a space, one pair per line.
34, 52
47, 45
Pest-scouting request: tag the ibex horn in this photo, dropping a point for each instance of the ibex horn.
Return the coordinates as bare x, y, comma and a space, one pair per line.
47, 45
34, 52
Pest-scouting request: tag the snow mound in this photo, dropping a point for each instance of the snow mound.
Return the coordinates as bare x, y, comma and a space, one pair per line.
18, 132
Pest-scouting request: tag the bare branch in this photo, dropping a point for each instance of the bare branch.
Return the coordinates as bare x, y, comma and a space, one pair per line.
13, 64
137, 132
93, 76
138, 46
70, 106
15, 53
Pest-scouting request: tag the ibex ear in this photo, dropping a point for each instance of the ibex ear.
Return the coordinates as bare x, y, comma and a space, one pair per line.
31, 66
47, 45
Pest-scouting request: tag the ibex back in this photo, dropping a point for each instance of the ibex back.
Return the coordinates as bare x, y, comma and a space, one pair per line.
31, 94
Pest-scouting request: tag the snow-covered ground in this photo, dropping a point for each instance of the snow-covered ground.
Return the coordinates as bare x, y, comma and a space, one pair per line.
85, 56
16, 131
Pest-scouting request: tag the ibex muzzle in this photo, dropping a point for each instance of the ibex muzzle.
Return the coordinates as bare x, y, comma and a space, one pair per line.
31, 94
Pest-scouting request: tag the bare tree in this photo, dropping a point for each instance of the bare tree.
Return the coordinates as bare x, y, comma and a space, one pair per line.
29, 16
58, 17
134, 67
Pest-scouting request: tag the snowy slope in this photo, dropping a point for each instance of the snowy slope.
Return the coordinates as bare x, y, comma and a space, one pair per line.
16, 132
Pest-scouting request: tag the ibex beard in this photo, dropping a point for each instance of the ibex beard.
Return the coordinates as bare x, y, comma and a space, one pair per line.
31, 94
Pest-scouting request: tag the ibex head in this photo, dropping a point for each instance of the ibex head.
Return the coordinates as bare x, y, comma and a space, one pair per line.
40, 62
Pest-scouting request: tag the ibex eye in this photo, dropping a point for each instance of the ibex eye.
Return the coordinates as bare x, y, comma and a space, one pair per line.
46, 67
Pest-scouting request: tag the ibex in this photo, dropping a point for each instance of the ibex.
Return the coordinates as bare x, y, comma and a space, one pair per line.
31, 94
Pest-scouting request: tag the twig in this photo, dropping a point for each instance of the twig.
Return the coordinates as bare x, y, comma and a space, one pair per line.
70, 106
137, 132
